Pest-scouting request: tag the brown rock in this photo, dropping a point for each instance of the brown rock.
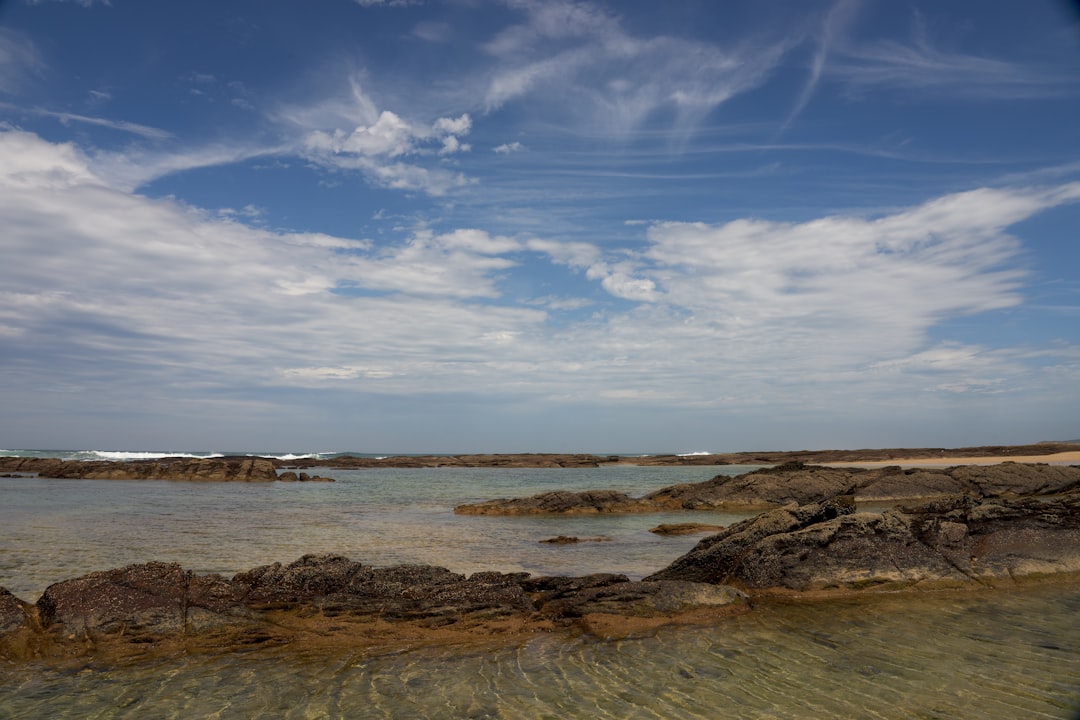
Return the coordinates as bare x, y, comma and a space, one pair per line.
588, 502
960, 541
240, 469
152, 600
13, 615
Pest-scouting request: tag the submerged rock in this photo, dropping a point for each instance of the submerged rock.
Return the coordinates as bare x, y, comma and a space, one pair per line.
573, 540
685, 528
565, 502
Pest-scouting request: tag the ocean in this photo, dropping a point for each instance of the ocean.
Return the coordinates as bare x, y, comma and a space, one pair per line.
991, 654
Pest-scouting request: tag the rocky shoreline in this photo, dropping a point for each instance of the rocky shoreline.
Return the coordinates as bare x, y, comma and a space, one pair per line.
563, 460
234, 469
1010, 524
798, 483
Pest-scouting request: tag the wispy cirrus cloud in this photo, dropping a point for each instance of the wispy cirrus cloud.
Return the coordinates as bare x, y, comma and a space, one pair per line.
145, 131
161, 303
20, 60
576, 56
84, 3
921, 66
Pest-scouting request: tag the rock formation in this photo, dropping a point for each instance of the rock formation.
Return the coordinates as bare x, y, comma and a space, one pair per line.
234, 469
685, 528
794, 482
554, 460
958, 540
329, 598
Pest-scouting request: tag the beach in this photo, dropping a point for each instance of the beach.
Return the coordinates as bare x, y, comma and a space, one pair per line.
890, 656
1060, 458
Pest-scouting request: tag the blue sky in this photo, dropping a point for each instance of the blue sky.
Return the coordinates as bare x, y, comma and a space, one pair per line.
503, 226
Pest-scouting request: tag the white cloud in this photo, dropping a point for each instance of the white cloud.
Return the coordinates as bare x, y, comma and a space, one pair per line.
507, 148
350, 133
124, 299
163, 295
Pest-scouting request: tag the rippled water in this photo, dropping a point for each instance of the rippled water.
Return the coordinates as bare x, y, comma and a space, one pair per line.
941, 655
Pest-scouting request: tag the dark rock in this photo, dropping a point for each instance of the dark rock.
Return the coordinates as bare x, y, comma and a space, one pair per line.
13, 615
791, 482
152, 599
310, 577
685, 528
570, 540
795, 482
961, 540
240, 469
589, 502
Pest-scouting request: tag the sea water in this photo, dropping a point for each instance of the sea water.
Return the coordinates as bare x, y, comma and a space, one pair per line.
934, 655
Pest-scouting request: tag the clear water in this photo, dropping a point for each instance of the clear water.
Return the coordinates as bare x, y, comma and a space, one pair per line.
951, 655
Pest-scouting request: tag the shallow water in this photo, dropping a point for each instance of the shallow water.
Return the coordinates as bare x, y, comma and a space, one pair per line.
52, 530
936, 655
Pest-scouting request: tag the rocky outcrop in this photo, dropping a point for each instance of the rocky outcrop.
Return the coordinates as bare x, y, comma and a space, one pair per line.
290, 476
791, 482
959, 540
328, 598
239, 469
141, 602
573, 540
955, 541
800, 484
554, 460
685, 528
562, 502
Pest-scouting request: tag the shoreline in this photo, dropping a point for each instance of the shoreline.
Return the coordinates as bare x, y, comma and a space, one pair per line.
1060, 458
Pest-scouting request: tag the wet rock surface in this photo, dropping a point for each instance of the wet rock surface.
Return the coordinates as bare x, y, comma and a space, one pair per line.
685, 528
795, 482
325, 597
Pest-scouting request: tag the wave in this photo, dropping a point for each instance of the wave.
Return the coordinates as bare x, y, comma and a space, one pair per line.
693, 454
292, 456
122, 455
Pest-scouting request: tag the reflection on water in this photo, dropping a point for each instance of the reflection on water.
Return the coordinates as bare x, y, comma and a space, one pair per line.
936, 655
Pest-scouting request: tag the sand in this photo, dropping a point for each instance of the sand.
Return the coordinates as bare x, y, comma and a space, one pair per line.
1065, 458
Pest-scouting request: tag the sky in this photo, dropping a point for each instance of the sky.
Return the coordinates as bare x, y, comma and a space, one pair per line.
538, 225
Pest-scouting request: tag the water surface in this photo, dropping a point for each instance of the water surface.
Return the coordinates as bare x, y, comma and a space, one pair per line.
933, 655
